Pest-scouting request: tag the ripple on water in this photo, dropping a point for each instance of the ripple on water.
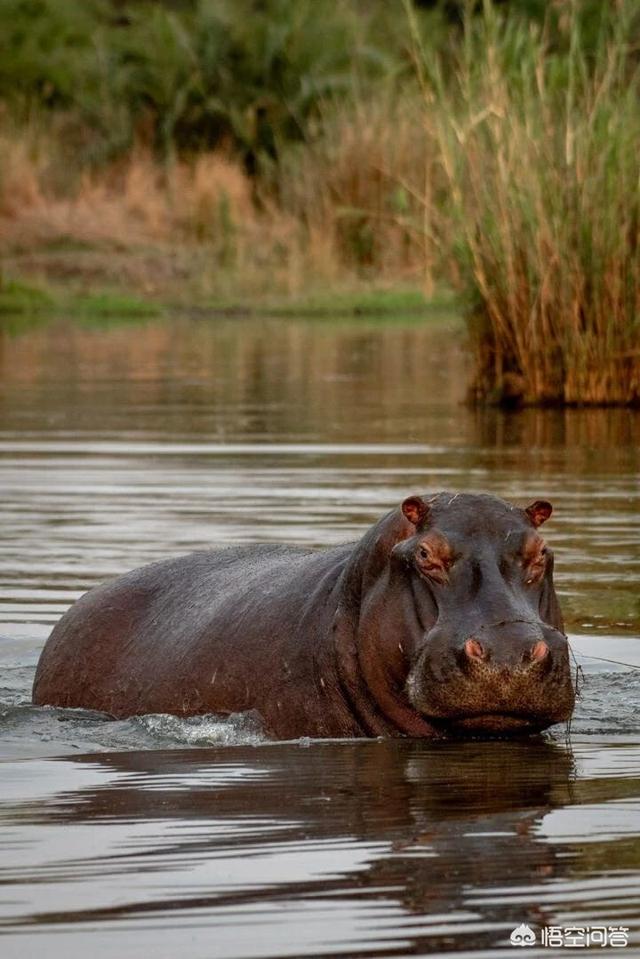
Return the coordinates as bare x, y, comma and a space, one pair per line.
607, 705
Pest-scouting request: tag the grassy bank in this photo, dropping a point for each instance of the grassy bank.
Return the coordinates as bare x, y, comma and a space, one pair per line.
30, 301
249, 156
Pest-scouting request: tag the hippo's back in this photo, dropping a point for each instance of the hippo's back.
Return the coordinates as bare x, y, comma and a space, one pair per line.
181, 635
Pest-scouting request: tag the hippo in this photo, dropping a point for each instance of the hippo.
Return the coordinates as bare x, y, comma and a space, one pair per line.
441, 621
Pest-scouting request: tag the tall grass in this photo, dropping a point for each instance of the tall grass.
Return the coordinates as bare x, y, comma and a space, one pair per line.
538, 133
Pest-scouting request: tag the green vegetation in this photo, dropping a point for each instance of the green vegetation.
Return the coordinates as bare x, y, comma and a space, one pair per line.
366, 302
28, 300
243, 152
112, 304
23, 298
187, 75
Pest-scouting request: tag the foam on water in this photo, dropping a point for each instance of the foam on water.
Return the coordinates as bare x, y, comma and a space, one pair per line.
48, 730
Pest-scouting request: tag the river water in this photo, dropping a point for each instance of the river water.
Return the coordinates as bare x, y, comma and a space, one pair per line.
124, 443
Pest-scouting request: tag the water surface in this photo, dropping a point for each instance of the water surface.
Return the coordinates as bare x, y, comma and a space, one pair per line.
126, 444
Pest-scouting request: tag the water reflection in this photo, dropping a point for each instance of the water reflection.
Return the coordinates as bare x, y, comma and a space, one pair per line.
440, 837
241, 379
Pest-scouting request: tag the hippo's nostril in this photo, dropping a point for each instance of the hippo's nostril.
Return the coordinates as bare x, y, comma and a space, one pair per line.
539, 651
474, 649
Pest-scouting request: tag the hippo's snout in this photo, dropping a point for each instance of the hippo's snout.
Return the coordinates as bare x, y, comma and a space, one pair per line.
503, 678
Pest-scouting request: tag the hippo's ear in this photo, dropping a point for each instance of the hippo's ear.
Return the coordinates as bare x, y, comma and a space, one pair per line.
539, 512
416, 510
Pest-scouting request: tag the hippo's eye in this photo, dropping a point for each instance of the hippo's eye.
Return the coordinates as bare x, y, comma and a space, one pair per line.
428, 563
536, 566
432, 564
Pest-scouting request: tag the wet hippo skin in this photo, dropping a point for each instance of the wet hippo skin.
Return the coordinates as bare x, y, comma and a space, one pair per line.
442, 620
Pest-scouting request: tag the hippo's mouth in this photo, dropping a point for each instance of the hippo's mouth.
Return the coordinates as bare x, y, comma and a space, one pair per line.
489, 724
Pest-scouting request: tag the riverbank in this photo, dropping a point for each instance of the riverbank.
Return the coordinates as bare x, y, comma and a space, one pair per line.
29, 300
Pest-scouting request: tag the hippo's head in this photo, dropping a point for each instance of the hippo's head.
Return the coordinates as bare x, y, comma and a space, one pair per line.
460, 625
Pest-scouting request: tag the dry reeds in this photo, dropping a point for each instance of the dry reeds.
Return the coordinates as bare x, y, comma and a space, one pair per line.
365, 182
135, 198
194, 218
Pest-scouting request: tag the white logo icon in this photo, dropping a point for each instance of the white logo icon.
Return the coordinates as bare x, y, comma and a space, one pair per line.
523, 935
